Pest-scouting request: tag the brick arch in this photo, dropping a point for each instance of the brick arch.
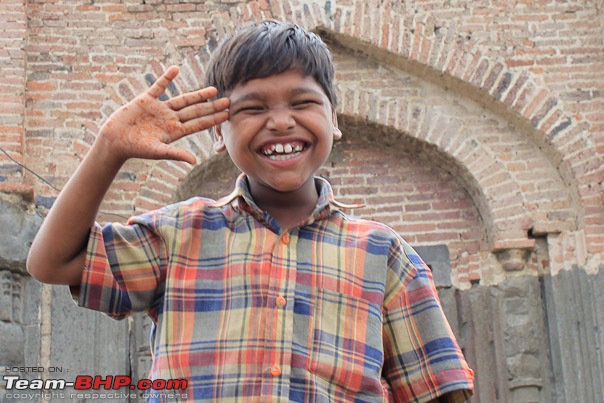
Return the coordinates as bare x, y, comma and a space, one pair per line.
427, 42
512, 206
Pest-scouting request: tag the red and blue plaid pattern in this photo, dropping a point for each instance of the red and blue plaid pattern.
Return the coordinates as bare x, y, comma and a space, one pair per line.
336, 310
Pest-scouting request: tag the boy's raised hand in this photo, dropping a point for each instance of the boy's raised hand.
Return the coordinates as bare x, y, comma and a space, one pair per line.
145, 127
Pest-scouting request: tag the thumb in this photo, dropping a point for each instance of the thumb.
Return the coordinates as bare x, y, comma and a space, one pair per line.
167, 152
180, 154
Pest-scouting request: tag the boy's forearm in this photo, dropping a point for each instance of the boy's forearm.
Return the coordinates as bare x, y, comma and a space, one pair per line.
58, 251
143, 128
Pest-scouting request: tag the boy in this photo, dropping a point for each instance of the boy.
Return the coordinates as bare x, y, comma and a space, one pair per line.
271, 293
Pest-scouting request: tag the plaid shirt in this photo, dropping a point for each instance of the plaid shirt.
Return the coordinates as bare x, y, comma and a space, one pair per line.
337, 309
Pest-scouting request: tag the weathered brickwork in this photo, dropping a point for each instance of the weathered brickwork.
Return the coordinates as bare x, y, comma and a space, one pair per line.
506, 98
478, 125
12, 87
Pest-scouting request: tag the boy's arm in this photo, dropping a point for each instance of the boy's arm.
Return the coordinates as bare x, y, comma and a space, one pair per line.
143, 128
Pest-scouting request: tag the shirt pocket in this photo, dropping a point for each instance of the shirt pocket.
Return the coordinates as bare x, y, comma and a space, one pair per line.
346, 347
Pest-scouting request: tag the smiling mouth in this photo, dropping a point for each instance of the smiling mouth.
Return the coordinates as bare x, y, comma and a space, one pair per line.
283, 151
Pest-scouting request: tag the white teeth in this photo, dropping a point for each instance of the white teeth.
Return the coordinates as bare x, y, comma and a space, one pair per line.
282, 157
282, 149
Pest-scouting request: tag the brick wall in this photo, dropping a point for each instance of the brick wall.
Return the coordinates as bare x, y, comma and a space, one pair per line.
12, 88
483, 120
472, 124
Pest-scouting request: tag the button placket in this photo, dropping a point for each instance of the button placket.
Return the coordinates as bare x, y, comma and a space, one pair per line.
279, 328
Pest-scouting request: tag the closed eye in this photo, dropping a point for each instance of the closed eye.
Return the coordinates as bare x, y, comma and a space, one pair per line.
305, 103
250, 109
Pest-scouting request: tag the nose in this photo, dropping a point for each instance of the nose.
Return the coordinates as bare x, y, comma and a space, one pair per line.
280, 118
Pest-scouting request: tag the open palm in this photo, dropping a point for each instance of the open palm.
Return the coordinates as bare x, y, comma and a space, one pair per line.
145, 127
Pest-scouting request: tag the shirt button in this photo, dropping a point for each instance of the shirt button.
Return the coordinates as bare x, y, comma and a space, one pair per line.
285, 238
280, 301
275, 370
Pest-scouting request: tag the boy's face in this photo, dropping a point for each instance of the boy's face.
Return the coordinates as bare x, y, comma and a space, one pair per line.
280, 130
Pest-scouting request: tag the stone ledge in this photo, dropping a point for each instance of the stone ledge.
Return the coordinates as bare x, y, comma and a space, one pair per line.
526, 243
513, 254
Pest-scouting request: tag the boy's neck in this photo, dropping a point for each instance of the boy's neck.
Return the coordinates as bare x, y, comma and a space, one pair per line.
288, 208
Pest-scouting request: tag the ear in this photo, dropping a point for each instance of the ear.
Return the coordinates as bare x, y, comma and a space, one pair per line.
337, 134
219, 145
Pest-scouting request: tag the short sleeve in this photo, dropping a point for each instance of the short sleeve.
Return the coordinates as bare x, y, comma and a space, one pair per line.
124, 269
422, 358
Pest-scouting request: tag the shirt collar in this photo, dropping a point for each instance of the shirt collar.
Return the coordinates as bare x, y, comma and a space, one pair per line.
241, 199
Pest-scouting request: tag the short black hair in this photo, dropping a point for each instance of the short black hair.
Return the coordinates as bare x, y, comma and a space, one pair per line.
268, 48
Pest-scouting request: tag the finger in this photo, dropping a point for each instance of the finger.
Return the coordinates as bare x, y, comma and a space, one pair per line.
192, 98
160, 85
205, 122
202, 109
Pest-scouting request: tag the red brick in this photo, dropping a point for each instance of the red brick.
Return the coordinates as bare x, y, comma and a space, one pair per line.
74, 80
